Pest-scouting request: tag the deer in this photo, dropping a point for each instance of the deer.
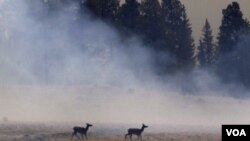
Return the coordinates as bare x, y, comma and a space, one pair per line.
81, 130
135, 131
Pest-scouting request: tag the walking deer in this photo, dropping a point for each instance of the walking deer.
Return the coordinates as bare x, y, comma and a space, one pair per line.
81, 130
135, 131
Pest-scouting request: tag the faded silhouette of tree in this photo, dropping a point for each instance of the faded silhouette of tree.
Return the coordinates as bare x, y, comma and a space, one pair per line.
232, 26
177, 22
206, 47
104, 9
232, 49
129, 16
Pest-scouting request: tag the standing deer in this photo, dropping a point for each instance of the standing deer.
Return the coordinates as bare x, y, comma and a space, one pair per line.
81, 130
135, 131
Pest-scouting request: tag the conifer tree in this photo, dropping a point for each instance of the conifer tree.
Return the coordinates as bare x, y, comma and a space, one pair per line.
129, 15
206, 47
175, 19
233, 52
232, 26
104, 9
151, 26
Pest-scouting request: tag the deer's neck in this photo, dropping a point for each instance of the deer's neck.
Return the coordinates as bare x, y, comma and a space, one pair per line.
87, 128
142, 129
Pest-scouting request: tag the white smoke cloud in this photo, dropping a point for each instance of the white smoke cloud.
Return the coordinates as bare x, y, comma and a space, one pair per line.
59, 49
57, 68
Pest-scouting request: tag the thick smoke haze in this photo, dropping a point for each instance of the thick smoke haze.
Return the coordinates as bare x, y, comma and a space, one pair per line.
57, 50
60, 68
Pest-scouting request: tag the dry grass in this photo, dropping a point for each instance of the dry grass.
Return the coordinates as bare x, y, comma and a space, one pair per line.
35, 132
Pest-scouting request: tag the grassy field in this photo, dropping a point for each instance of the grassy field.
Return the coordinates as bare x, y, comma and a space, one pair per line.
59, 132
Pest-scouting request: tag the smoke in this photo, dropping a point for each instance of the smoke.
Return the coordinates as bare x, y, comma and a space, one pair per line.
60, 67
58, 50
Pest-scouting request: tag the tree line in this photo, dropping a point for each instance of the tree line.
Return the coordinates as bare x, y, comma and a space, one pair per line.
164, 27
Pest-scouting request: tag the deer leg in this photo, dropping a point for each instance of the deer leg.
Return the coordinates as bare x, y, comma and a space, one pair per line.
73, 134
77, 136
126, 136
141, 138
130, 137
86, 136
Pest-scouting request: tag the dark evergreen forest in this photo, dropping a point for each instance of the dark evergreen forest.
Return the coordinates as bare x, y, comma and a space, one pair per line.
165, 29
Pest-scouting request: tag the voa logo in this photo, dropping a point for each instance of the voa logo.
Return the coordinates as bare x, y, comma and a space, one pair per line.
236, 132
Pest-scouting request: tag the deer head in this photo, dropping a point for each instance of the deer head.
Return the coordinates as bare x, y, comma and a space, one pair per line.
144, 126
89, 125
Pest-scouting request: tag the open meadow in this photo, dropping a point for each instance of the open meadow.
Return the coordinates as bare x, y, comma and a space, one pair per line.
60, 132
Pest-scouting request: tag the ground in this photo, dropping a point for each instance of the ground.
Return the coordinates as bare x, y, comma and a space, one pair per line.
59, 132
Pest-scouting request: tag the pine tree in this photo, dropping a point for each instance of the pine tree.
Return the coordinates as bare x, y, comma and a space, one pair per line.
175, 19
233, 24
129, 15
104, 9
151, 26
206, 47
185, 51
201, 57
233, 53
153, 31
173, 13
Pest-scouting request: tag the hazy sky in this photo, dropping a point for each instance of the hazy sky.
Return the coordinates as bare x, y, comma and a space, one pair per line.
199, 10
